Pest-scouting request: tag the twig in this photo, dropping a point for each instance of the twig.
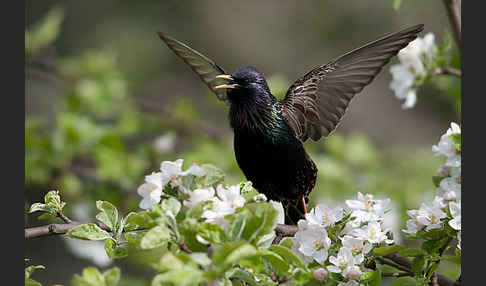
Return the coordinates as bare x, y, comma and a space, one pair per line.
56, 228
394, 264
407, 264
184, 248
447, 70
286, 230
454, 14
64, 217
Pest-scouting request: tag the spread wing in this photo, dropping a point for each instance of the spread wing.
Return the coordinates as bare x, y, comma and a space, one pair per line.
205, 68
315, 103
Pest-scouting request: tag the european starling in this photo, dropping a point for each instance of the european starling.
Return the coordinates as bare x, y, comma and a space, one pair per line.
269, 132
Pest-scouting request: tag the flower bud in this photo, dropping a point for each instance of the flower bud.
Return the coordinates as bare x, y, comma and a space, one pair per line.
320, 274
443, 171
354, 273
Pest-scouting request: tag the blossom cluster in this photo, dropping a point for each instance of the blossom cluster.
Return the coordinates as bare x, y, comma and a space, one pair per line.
170, 175
448, 194
413, 61
354, 233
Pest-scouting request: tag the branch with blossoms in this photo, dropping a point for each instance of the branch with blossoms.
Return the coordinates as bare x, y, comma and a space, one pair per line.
423, 60
227, 233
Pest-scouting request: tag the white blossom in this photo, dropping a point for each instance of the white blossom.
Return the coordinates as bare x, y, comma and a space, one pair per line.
357, 245
200, 195
413, 224
228, 200
345, 262
151, 190
365, 208
446, 146
411, 65
315, 243
324, 216
455, 209
427, 216
311, 242
372, 232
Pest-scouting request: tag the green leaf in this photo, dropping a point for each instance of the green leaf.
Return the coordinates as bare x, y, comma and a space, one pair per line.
53, 201
156, 237
436, 180
276, 260
370, 278
128, 222
261, 220
411, 252
44, 32
38, 207
108, 214
196, 210
456, 139
243, 274
135, 237
385, 250
286, 242
114, 251
213, 176
184, 276
433, 246
30, 269
287, 254
112, 276
168, 262
143, 219
171, 205
405, 281
91, 277
31, 282
243, 251
452, 258
89, 231
418, 264
237, 226
212, 233
200, 258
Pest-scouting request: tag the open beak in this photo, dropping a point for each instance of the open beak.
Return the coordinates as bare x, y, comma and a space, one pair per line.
227, 77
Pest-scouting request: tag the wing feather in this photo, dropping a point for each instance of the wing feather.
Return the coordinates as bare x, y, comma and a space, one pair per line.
315, 103
203, 66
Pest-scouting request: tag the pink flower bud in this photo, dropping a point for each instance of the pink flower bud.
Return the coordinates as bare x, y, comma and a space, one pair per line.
320, 274
354, 273
443, 171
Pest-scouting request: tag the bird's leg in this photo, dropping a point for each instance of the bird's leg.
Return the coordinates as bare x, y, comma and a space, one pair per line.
303, 204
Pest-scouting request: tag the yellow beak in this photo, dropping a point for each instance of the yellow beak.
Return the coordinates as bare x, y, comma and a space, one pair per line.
226, 86
224, 76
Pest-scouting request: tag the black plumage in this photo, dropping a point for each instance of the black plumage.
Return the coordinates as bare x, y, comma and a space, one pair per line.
269, 132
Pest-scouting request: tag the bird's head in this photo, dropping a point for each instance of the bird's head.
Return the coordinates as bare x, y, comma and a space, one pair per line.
245, 83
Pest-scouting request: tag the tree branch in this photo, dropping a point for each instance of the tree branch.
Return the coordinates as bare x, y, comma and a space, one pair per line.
447, 70
56, 228
407, 264
454, 13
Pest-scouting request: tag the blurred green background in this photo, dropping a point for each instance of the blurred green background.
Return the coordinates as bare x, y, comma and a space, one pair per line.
107, 101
